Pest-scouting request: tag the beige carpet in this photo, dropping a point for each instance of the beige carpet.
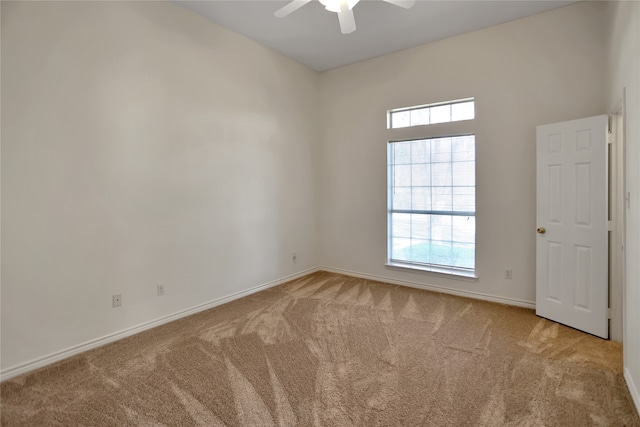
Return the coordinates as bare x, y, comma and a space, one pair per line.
330, 350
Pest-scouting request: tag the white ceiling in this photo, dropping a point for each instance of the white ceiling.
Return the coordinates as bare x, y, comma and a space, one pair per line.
311, 35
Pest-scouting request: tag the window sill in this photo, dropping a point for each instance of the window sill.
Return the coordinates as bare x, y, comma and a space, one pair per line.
448, 273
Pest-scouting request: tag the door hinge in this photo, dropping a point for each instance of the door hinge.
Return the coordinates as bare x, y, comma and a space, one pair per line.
610, 138
609, 225
608, 313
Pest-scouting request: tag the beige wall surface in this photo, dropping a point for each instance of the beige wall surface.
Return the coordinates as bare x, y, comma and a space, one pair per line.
624, 76
542, 69
143, 145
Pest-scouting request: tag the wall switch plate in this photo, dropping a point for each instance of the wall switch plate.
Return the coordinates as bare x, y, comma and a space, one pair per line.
117, 300
160, 290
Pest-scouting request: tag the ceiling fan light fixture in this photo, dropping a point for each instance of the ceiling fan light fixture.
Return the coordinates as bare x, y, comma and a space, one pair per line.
344, 9
338, 5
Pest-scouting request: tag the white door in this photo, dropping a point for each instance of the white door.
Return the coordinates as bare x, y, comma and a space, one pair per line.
572, 213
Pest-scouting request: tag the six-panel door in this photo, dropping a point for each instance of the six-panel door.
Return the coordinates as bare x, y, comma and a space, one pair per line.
571, 248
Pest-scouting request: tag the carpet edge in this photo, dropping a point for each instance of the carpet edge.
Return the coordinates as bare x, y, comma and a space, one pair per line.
40, 362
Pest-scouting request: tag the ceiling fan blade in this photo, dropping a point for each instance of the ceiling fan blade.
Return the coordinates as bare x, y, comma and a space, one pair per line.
347, 21
402, 3
290, 7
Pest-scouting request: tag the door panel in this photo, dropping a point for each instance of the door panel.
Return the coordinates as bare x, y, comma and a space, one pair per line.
571, 249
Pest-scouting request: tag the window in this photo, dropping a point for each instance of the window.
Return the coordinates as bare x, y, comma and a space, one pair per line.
451, 111
432, 204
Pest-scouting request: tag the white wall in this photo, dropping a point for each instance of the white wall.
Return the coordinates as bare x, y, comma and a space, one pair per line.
142, 145
624, 73
542, 69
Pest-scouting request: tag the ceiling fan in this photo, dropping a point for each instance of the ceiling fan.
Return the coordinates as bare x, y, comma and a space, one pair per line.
344, 9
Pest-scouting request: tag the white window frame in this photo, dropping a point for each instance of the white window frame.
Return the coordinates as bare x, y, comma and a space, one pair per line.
421, 132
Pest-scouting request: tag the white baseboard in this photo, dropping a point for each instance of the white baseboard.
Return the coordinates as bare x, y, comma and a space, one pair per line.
40, 362
442, 289
633, 390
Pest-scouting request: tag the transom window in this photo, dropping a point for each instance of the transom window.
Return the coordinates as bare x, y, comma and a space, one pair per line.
432, 204
443, 112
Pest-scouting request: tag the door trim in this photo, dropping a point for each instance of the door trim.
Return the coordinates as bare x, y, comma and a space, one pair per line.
617, 216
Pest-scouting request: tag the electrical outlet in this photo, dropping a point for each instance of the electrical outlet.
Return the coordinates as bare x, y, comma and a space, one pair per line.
160, 290
508, 274
117, 300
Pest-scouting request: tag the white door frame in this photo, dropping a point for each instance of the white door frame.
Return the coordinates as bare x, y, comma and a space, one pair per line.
617, 216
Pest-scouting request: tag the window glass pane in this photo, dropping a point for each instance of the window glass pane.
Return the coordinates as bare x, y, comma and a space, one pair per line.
463, 148
464, 173
420, 226
464, 255
402, 153
401, 198
441, 228
401, 249
401, 119
420, 151
440, 114
402, 176
401, 225
421, 251
420, 174
464, 199
442, 253
441, 174
441, 198
463, 111
440, 150
419, 117
464, 229
421, 198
